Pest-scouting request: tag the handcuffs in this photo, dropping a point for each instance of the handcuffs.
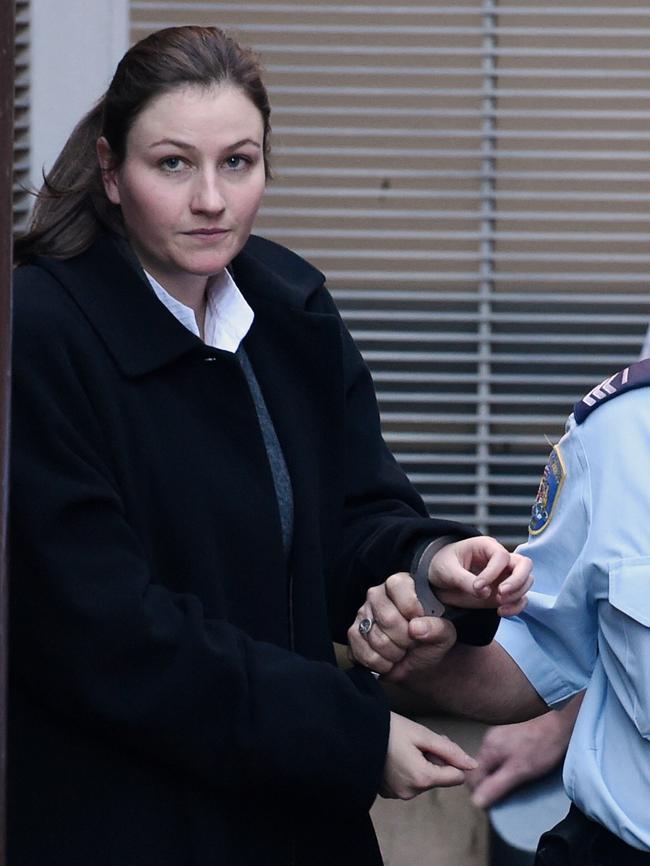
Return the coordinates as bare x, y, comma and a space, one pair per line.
475, 627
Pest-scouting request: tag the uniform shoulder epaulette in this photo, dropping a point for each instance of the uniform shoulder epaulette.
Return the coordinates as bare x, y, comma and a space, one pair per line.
635, 376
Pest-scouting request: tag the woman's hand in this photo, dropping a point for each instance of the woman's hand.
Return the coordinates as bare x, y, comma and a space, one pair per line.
480, 572
418, 760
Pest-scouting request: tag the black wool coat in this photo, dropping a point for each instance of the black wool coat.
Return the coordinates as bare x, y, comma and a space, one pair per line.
173, 694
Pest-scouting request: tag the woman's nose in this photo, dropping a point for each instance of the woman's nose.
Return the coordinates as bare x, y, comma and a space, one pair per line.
207, 196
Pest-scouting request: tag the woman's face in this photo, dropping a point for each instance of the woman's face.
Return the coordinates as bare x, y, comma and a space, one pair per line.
191, 183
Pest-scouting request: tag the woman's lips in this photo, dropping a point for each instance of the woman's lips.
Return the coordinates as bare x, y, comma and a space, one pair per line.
208, 233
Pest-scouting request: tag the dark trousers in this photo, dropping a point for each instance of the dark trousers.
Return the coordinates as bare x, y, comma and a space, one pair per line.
579, 841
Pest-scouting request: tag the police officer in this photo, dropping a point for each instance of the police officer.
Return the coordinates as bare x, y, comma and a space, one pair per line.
586, 626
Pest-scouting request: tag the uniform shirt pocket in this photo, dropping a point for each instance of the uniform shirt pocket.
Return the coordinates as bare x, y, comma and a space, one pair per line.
629, 588
627, 637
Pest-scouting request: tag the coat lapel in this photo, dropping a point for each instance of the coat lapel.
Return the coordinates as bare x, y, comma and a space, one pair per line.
138, 331
296, 355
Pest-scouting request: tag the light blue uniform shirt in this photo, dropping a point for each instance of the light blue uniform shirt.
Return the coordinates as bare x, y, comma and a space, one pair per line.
587, 623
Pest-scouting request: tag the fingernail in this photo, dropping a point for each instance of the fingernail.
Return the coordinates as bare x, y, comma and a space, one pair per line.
418, 628
478, 802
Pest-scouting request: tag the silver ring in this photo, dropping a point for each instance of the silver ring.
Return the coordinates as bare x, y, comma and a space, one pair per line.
365, 625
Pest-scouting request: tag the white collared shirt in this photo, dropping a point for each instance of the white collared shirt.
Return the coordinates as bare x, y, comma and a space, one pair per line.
228, 317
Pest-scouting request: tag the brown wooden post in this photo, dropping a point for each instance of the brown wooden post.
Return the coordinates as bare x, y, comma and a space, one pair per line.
7, 29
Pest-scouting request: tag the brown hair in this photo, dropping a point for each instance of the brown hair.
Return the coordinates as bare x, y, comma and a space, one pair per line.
72, 208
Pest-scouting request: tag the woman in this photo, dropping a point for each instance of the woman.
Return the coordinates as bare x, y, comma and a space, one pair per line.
201, 498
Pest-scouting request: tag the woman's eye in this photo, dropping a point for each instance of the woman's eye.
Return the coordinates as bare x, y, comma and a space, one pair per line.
172, 163
237, 162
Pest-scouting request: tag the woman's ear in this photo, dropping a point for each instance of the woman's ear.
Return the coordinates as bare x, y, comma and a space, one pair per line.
109, 173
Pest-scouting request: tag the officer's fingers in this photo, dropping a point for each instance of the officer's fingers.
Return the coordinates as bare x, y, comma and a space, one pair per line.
489, 759
360, 652
400, 589
368, 642
496, 785
433, 631
476, 777
389, 617
381, 643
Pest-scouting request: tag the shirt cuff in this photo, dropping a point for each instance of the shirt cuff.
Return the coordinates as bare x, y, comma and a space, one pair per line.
547, 679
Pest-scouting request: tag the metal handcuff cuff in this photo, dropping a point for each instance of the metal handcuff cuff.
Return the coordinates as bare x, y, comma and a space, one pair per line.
473, 627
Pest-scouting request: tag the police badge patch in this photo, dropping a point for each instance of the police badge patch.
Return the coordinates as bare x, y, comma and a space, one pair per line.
548, 492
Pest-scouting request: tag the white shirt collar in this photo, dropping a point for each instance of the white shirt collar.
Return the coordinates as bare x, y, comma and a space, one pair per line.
228, 317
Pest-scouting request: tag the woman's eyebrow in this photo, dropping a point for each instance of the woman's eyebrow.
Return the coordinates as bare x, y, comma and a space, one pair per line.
246, 141
183, 145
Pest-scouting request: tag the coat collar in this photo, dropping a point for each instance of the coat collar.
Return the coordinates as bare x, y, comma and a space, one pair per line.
266, 270
138, 331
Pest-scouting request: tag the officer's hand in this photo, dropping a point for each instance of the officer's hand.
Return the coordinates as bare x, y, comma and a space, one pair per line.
480, 572
388, 645
512, 755
418, 760
386, 612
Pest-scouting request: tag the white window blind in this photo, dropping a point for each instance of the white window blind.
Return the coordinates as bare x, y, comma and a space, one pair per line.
474, 181
21, 197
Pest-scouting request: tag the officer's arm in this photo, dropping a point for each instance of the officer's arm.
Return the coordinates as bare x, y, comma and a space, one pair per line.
477, 682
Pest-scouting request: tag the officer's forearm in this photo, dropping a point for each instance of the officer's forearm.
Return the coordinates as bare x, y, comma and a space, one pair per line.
482, 683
